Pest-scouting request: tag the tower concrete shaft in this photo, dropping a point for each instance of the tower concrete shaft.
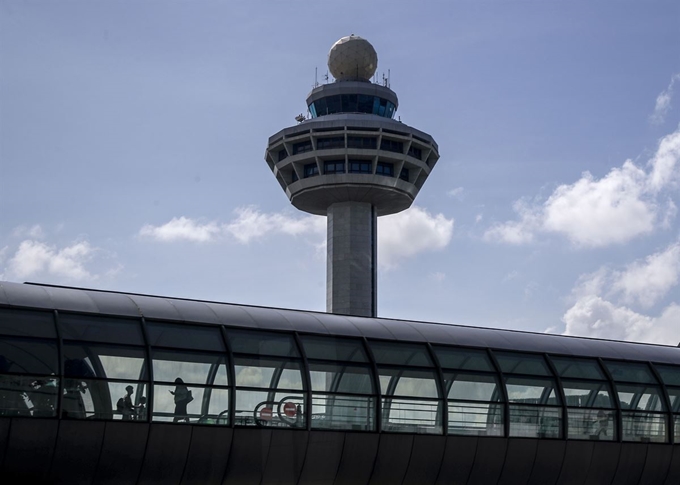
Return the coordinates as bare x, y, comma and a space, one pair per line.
351, 275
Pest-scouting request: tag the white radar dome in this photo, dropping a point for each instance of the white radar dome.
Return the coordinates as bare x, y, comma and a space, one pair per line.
352, 59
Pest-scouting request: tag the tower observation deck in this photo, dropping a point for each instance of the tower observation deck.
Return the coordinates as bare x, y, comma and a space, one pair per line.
352, 162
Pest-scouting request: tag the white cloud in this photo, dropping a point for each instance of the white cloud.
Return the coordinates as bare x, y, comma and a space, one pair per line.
646, 282
182, 228
411, 232
438, 276
457, 192
592, 212
595, 317
516, 232
603, 299
400, 235
33, 232
34, 258
251, 224
663, 102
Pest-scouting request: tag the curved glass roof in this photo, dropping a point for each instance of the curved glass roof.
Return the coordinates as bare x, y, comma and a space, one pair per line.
201, 312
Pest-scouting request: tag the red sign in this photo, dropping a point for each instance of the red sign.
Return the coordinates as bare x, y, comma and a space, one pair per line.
289, 409
266, 414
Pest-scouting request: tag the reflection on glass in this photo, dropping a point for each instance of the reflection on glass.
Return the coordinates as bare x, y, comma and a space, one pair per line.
669, 374
98, 399
401, 354
578, 368
463, 359
343, 412
264, 408
587, 394
339, 378
28, 396
411, 416
82, 360
592, 424
644, 427
676, 420
206, 405
268, 373
328, 348
531, 390
472, 387
417, 383
631, 372
641, 398
482, 419
522, 363
535, 421
191, 367
28, 357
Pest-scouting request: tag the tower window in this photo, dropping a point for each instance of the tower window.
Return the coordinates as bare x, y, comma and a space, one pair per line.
336, 166
386, 169
415, 153
302, 147
359, 166
294, 176
282, 154
311, 169
404, 174
361, 142
392, 146
332, 142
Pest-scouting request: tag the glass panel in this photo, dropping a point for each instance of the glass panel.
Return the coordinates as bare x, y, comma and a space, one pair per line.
416, 383
578, 368
669, 374
645, 427
676, 421
472, 387
267, 373
185, 336
534, 391
190, 367
28, 356
674, 395
592, 424
199, 405
463, 359
328, 348
262, 343
482, 419
401, 354
365, 103
100, 329
98, 399
262, 408
343, 412
27, 323
28, 396
587, 394
535, 421
631, 372
641, 398
411, 416
339, 378
97, 361
522, 364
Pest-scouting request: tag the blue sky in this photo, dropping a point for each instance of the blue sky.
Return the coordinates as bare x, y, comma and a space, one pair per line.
132, 137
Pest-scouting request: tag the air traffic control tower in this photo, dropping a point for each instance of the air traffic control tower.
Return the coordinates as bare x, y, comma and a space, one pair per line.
351, 161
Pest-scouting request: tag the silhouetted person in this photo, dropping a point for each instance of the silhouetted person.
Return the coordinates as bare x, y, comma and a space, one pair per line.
182, 398
125, 406
141, 409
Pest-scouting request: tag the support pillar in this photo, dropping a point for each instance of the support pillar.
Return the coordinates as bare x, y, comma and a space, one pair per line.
351, 266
